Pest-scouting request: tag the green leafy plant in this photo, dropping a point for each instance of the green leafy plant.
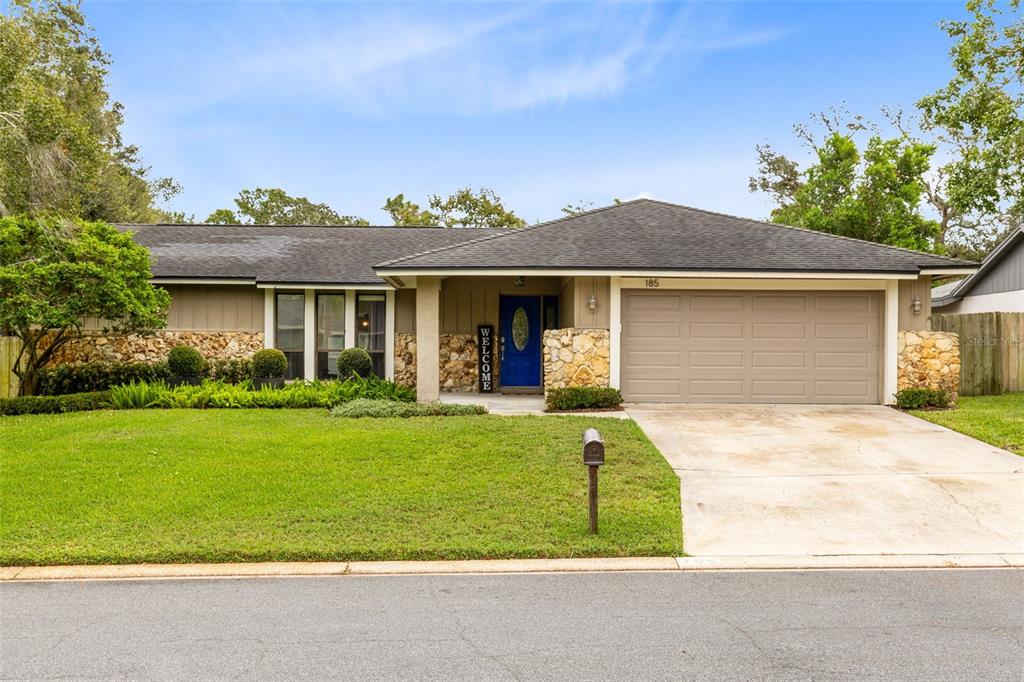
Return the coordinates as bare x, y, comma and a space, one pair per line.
269, 363
185, 361
136, 396
918, 398
363, 407
582, 398
232, 371
54, 404
354, 362
97, 376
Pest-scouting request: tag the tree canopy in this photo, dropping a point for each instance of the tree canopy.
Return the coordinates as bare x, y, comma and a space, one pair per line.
55, 273
950, 177
61, 150
463, 208
274, 206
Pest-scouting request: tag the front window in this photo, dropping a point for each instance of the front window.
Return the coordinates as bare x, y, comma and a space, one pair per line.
370, 309
330, 333
291, 331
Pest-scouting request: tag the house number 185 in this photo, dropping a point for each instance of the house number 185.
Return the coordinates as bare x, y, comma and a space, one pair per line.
652, 283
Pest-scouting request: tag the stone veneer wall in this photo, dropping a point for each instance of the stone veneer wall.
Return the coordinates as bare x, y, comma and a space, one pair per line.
576, 357
928, 359
97, 345
457, 361
405, 359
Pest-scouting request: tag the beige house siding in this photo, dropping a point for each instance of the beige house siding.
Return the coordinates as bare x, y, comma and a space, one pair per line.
215, 308
405, 311
469, 301
909, 289
583, 317
567, 303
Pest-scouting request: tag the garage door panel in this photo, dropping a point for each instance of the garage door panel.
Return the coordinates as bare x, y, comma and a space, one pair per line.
715, 330
778, 330
778, 360
751, 346
778, 303
716, 359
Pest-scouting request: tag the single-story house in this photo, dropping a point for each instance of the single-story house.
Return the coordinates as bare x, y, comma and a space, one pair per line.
996, 287
665, 302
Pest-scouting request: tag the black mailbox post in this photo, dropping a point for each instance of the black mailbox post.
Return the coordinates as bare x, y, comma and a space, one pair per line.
593, 457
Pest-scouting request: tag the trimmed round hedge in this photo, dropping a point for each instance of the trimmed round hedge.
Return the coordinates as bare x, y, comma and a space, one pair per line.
185, 361
269, 363
354, 361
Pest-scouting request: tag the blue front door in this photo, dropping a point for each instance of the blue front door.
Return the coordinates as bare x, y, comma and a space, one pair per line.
520, 341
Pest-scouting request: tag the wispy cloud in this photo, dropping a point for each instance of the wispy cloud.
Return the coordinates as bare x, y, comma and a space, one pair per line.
468, 59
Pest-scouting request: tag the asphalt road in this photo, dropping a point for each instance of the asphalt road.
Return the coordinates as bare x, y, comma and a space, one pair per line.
917, 625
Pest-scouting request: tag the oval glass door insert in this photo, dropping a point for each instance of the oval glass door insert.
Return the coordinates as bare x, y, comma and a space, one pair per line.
520, 328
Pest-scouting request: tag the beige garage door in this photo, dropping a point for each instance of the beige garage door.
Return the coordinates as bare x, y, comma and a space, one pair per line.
751, 346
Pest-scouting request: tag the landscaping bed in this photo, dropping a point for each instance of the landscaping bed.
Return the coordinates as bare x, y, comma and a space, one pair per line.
994, 419
277, 485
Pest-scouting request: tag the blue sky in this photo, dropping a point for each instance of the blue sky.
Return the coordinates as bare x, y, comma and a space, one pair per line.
546, 103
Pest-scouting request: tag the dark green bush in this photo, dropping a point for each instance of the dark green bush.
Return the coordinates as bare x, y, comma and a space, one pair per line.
388, 408
233, 371
269, 363
354, 361
918, 398
54, 404
185, 361
582, 398
97, 376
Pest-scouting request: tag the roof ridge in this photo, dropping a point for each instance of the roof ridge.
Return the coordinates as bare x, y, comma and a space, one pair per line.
767, 223
508, 233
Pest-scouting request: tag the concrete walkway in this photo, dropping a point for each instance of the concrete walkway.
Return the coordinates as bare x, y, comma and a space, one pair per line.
512, 404
810, 480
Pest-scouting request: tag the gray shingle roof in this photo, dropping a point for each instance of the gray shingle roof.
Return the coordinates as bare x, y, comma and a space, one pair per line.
647, 235
266, 253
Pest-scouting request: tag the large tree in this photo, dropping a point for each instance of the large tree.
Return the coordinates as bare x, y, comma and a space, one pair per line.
276, 207
61, 150
463, 208
868, 189
56, 273
974, 125
977, 120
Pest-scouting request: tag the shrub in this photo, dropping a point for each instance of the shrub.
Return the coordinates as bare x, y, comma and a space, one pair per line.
269, 363
917, 398
218, 394
185, 361
387, 408
97, 376
582, 398
354, 362
54, 404
233, 371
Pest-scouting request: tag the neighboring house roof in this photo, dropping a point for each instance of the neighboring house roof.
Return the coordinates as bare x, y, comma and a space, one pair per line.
285, 254
955, 291
648, 235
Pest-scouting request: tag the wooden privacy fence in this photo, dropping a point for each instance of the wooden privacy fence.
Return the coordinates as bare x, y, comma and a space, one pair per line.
991, 350
9, 347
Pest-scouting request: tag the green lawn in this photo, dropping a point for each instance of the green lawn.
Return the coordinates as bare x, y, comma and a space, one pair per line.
995, 419
275, 485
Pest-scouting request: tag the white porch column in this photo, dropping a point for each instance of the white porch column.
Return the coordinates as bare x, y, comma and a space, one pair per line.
389, 334
428, 339
350, 318
309, 335
615, 331
269, 323
890, 341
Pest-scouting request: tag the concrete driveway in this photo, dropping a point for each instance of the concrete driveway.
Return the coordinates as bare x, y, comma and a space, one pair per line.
835, 480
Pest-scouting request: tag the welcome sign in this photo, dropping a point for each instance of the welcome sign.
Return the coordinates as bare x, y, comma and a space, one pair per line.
485, 357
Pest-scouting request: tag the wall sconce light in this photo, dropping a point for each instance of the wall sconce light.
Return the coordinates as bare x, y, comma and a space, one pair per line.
592, 303
519, 281
915, 305
364, 321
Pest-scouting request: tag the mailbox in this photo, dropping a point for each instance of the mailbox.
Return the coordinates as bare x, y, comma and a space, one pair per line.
593, 448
